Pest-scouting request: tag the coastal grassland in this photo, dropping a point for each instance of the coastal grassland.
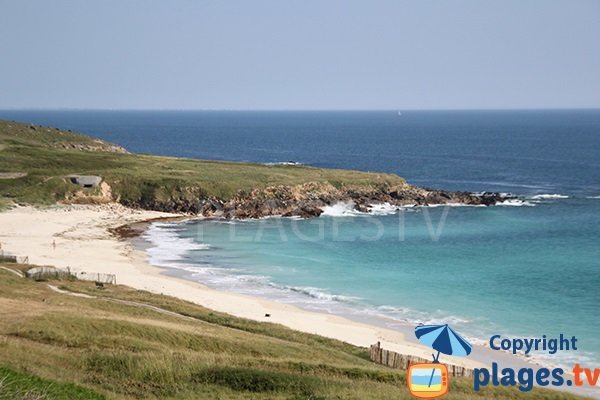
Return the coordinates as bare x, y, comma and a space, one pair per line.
124, 343
27, 134
21, 385
48, 156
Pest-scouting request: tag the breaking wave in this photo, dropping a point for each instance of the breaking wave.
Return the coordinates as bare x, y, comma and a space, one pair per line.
167, 247
286, 163
515, 203
319, 294
341, 210
549, 196
346, 209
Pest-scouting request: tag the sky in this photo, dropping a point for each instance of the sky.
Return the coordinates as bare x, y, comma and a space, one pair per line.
308, 55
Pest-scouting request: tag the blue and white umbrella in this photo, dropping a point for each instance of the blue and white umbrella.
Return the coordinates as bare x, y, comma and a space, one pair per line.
443, 339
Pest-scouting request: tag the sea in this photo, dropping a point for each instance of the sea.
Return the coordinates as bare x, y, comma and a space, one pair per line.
524, 268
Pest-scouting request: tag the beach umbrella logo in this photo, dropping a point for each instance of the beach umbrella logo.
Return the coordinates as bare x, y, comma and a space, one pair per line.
431, 380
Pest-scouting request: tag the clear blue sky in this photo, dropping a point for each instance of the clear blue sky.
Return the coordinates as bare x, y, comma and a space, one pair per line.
299, 54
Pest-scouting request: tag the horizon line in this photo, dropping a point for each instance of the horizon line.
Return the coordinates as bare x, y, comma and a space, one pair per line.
302, 109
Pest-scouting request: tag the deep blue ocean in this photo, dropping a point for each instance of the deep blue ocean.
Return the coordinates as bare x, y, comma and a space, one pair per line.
528, 268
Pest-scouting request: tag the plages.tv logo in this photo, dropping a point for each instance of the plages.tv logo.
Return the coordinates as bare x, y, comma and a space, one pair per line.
431, 380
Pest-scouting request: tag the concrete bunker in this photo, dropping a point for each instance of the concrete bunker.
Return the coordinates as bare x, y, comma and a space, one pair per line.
86, 181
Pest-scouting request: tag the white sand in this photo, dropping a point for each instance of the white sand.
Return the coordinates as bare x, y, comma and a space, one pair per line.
83, 243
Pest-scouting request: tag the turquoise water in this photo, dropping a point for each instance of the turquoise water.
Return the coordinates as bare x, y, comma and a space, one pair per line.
523, 271
527, 270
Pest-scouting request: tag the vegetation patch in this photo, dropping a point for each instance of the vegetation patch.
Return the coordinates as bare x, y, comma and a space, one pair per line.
254, 380
23, 386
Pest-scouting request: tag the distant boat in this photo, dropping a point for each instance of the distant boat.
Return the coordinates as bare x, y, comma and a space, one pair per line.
399, 114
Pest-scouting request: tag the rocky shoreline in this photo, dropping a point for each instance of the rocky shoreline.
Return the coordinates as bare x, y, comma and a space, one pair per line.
309, 199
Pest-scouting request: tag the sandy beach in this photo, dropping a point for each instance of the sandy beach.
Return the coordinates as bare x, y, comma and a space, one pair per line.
78, 237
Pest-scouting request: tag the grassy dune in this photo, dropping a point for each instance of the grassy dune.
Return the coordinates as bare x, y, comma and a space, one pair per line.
25, 386
124, 343
48, 155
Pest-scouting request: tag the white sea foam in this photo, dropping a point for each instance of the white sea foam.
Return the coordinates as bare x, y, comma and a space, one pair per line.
383, 209
411, 316
593, 197
515, 203
320, 294
346, 209
501, 194
452, 205
166, 245
225, 279
549, 196
287, 163
342, 209
226, 221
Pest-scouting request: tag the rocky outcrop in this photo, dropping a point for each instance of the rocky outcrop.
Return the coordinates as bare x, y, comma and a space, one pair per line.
97, 146
309, 199
101, 194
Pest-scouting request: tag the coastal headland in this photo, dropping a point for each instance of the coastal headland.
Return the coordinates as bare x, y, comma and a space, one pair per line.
44, 165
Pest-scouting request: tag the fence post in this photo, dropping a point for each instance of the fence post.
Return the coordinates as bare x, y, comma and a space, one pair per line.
401, 361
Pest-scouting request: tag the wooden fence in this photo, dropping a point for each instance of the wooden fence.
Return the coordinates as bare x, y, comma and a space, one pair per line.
402, 361
43, 273
13, 258
97, 277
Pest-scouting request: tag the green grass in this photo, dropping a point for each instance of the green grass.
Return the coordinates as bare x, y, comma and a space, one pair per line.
105, 347
143, 178
25, 386
35, 135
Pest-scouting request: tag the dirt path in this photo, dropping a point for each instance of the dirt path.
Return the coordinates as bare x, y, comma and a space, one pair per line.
127, 302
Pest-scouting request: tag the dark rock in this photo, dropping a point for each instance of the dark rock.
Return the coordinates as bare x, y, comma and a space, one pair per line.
306, 200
